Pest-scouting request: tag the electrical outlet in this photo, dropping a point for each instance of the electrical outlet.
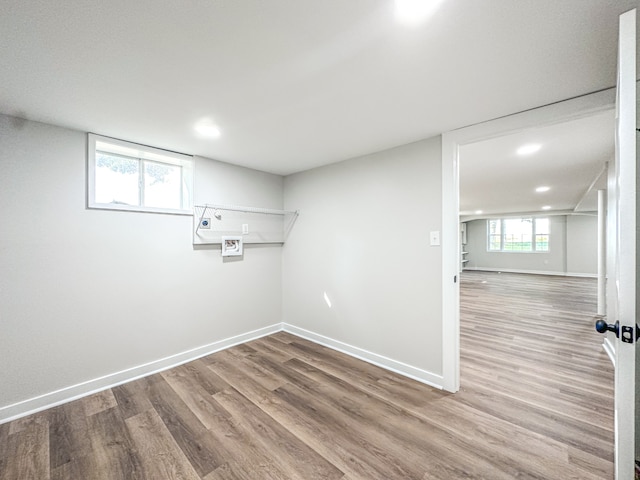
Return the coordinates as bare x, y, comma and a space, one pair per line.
205, 224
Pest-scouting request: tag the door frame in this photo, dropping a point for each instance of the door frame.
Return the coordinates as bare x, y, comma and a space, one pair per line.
623, 246
560, 112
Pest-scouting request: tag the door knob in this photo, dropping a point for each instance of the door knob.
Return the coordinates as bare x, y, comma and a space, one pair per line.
602, 327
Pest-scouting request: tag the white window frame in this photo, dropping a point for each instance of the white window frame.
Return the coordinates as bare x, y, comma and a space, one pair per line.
502, 234
141, 153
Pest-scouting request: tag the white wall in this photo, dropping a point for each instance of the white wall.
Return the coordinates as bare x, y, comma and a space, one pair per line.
88, 293
363, 238
572, 249
582, 244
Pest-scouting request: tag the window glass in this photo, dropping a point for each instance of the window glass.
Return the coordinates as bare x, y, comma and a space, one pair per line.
518, 235
542, 234
495, 235
162, 185
117, 180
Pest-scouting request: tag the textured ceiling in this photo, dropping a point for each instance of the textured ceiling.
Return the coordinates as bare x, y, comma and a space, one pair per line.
571, 160
295, 84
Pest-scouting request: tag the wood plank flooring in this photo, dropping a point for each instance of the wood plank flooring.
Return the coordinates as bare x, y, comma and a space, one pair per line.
535, 403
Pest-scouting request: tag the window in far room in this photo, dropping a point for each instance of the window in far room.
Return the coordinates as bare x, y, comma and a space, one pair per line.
518, 234
128, 176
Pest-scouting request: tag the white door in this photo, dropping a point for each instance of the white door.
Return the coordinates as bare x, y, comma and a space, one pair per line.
621, 251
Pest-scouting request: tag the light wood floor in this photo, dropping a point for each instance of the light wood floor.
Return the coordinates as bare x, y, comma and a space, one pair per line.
535, 403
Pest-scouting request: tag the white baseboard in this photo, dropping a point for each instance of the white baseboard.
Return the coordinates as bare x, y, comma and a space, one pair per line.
74, 392
610, 349
67, 394
531, 272
582, 275
415, 373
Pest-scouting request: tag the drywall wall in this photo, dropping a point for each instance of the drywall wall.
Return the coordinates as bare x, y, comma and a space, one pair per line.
572, 249
362, 244
90, 293
582, 244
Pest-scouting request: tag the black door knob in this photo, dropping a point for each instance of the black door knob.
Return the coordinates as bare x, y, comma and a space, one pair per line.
602, 327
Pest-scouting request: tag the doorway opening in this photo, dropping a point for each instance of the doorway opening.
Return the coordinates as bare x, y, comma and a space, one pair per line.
452, 145
521, 288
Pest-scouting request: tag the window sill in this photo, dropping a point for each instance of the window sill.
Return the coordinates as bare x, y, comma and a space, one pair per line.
516, 251
137, 209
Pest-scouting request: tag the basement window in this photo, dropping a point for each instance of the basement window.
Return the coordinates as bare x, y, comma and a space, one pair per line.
518, 235
132, 177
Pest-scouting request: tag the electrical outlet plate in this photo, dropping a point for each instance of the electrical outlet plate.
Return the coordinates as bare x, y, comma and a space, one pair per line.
205, 224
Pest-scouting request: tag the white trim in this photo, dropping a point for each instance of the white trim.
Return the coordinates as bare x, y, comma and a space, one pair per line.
560, 112
395, 366
532, 272
450, 266
609, 348
67, 394
602, 251
74, 392
535, 214
625, 247
581, 275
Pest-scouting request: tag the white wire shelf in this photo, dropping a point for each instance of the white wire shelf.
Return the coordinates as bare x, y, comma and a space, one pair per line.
217, 223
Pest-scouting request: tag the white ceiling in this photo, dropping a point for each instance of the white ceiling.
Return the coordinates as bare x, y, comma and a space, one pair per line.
295, 84
571, 161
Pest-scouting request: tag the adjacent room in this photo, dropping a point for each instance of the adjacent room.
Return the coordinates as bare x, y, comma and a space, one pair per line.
529, 255
233, 244
536, 192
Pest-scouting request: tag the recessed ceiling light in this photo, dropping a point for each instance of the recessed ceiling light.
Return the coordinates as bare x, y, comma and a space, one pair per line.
528, 149
414, 11
207, 129
478, 212
546, 207
543, 189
